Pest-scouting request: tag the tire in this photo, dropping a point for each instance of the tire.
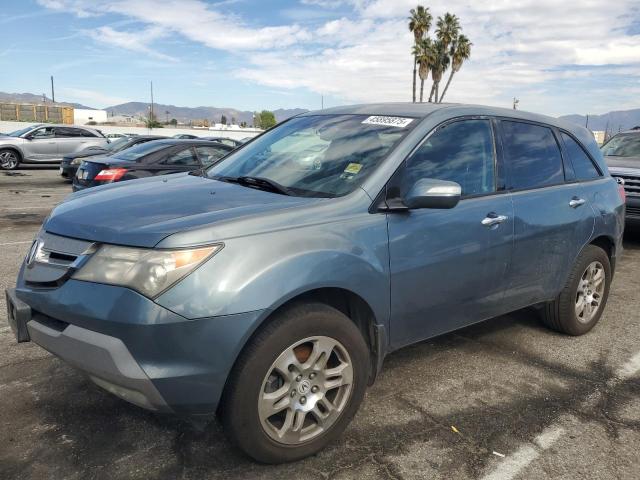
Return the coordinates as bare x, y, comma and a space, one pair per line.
570, 313
9, 159
255, 383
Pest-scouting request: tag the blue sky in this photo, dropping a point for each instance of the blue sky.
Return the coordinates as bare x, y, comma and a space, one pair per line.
556, 57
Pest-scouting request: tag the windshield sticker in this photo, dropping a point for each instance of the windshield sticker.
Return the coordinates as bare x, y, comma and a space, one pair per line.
399, 122
353, 168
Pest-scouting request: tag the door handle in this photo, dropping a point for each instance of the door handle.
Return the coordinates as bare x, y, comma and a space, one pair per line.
576, 202
493, 219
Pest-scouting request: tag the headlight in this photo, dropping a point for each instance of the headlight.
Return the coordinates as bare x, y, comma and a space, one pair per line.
147, 271
76, 161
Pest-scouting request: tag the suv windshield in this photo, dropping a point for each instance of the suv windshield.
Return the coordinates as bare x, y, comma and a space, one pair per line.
623, 145
317, 155
137, 151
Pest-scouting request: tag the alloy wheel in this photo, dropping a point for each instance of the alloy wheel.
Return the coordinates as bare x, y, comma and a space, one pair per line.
8, 160
305, 390
590, 292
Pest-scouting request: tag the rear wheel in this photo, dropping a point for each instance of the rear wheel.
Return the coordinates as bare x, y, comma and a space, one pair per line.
297, 384
581, 303
9, 159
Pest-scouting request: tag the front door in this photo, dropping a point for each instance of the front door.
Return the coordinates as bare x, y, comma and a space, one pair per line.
41, 145
448, 266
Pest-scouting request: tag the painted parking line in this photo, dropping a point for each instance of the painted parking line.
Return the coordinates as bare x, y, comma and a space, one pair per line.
515, 463
521, 458
629, 369
15, 243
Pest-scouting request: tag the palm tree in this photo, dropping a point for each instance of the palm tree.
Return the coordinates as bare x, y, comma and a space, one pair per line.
447, 32
419, 24
460, 51
423, 53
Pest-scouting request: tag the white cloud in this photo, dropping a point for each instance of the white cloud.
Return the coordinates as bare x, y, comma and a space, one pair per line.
135, 41
532, 49
90, 97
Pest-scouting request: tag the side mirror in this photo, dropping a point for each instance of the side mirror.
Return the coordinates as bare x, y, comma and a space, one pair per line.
431, 193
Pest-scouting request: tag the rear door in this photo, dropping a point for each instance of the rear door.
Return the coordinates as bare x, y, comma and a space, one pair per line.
553, 217
448, 267
70, 140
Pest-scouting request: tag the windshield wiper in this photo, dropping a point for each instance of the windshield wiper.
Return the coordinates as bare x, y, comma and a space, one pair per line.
260, 183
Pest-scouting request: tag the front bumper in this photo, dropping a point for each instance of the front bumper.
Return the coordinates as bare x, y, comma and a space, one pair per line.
632, 209
134, 348
68, 170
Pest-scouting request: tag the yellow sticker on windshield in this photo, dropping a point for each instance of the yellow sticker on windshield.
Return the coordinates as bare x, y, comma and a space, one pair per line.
353, 168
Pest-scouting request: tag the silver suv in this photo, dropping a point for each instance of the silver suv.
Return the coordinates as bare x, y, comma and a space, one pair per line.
46, 144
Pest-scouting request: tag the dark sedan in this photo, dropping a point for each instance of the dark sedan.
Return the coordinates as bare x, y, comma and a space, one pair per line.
158, 157
70, 163
232, 142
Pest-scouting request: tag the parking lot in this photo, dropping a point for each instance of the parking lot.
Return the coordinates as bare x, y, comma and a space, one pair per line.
500, 400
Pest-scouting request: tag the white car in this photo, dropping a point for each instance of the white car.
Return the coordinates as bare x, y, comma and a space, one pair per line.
46, 144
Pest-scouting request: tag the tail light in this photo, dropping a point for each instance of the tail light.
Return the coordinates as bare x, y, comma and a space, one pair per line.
110, 174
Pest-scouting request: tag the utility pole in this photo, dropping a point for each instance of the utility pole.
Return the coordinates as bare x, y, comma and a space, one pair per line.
53, 94
515, 103
151, 116
321, 102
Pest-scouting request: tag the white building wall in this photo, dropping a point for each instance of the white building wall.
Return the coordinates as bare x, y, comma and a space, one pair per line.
81, 116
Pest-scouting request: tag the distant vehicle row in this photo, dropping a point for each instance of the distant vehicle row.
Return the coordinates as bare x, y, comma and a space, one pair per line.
47, 143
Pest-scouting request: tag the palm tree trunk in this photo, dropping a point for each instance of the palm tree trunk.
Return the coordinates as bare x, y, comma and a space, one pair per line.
421, 89
446, 87
436, 97
415, 62
433, 89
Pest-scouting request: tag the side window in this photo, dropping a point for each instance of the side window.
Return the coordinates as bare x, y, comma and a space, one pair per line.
44, 132
532, 155
87, 133
182, 158
67, 132
461, 152
210, 155
582, 164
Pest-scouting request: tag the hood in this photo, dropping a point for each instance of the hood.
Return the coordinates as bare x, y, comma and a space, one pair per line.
623, 162
143, 212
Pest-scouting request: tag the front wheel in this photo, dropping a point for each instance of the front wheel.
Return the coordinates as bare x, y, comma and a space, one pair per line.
297, 384
581, 302
9, 160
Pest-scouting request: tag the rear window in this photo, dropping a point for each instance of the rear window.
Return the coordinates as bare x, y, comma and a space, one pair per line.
582, 164
140, 150
532, 155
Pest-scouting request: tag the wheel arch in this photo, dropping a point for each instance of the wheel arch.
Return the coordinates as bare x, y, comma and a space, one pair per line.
608, 244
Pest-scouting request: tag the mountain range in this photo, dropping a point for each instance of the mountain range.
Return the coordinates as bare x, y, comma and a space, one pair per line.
184, 114
613, 121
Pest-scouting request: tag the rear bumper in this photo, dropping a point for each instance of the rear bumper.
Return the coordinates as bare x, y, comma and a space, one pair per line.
133, 347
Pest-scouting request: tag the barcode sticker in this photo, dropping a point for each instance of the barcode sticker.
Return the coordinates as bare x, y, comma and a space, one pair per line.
399, 122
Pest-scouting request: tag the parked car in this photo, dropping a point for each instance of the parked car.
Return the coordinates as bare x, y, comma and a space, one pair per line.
115, 135
157, 157
70, 163
622, 154
227, 141
269, 289
46, 144
186, 136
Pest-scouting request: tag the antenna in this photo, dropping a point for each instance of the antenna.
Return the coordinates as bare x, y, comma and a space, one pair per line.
515, 103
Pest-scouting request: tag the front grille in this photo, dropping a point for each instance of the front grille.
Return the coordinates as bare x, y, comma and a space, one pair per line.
633, 211
52, 258
631, 183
